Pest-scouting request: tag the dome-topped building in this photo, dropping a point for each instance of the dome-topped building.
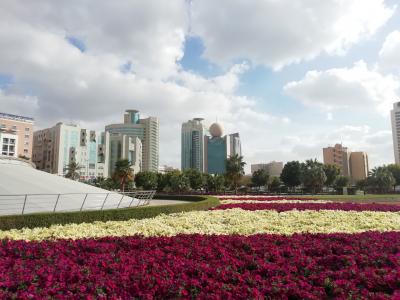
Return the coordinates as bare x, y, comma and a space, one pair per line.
216, 130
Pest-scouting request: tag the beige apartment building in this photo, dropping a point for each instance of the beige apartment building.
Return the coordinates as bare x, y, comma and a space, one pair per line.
351, 164
339, 156
358, 166
274, 168
16, 135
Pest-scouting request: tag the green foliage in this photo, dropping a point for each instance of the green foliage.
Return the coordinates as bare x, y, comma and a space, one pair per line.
291, 174
48, 219
105, 183
123, 173
380, 180
361, 184
274, 184
162, 181
260, 178
215, 183
196, 178
146, 180
332, 172
341, 182
72, 171
234, 170
312, 175
395, 170
178, 182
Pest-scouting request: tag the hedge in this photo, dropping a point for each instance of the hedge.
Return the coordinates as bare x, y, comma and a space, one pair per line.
142, 212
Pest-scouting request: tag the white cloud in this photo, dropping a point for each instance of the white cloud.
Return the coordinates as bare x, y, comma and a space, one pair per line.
357, 87
389, 55
278, 33
147, 34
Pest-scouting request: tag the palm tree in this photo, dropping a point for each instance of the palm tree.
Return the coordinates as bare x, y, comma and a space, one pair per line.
72, 170
123, 173
235, 169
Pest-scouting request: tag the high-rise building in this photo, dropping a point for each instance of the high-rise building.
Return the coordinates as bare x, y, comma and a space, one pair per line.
218, 148
192, 145
395, 118
119, 146
147, 130
56, 147
339, 156
235, 146
273, 168
16, 135
359, 167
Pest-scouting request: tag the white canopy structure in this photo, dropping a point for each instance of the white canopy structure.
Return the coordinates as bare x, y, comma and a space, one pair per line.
23, 189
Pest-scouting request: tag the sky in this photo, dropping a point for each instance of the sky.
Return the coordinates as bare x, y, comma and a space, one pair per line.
290, 76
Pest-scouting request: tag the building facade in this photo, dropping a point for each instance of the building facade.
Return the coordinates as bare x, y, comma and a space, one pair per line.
217, 148
273, 168
395, 118
56, 147
359, 166
118, 146
192, 145
339, 156
147, 130
235, 145
19, 129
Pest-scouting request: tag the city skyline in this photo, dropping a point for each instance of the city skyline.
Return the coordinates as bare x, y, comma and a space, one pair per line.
288, 96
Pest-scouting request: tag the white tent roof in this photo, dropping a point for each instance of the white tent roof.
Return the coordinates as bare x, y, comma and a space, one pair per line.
18, 179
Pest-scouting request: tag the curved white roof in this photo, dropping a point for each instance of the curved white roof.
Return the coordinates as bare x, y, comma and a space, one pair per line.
18, 178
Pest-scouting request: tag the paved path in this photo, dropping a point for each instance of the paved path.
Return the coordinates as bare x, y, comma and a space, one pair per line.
158, 202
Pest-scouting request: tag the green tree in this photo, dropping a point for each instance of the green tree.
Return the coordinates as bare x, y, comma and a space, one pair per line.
381, 179
332, 172
260, 178
395, 170
291, 174
123, 173
341, 182
72, 171
162, 181
178, 182
215, 183
196, 178
146, 180
361, 184
312, 175
274, 184
234, 170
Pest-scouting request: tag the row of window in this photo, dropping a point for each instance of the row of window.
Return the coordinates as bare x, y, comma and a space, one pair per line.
13, 127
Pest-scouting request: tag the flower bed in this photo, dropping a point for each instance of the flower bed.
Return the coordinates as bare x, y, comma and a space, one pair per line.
265, 198
230, 221
273, 201
308, 266
280, 207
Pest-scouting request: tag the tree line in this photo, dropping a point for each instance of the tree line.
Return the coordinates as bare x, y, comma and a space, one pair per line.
310, 176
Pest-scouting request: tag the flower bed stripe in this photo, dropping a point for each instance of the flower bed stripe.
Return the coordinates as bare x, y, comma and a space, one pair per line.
231, 221
365, 266
273, 201
280, 207
265, 198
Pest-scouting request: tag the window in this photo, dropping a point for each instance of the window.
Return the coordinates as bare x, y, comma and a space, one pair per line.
27, 136
14, 127
26, 151
5, 140
27, 129
26, 143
